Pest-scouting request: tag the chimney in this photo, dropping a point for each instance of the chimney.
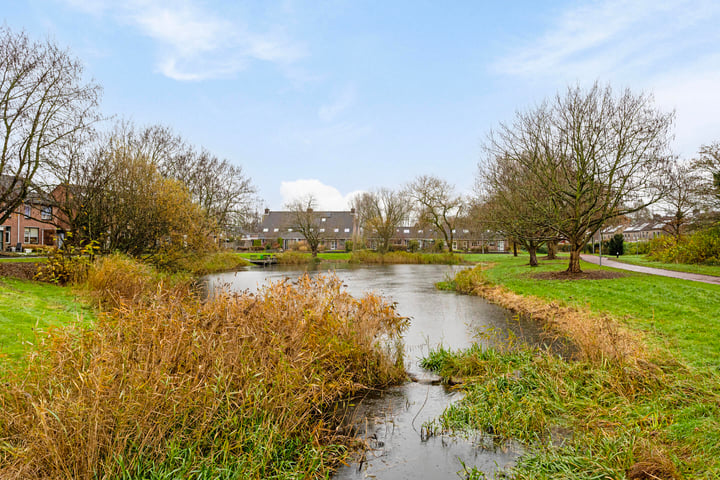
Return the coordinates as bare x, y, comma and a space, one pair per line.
309, 210
267, 211
352, 210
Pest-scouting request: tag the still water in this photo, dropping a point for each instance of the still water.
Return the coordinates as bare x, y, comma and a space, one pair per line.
390, 422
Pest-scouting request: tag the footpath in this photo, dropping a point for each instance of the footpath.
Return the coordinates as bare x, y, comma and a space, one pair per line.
695, 277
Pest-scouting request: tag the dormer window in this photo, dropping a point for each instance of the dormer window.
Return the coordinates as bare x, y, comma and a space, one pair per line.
323, 219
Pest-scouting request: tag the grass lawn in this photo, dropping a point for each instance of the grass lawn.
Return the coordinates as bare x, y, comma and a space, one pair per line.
26, 306
678, 267
579, 419
23, 259
681, 315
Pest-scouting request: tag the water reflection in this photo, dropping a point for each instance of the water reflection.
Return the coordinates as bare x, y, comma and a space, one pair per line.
390, 421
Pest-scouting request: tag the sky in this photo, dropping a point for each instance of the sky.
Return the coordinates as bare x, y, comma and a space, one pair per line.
334, 97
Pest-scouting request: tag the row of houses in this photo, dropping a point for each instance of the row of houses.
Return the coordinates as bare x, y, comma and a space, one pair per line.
642, 231
340, 227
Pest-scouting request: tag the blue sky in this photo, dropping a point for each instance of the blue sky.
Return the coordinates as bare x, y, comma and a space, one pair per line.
341, 96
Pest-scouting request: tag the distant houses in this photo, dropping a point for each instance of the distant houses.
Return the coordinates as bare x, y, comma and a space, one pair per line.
642, 231
338, 228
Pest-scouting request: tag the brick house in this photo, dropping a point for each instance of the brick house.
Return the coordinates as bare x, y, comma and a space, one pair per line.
35, 223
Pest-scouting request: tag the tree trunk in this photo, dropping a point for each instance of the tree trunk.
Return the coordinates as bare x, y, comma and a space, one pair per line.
552, 250
574, 266
514, 249
532, 250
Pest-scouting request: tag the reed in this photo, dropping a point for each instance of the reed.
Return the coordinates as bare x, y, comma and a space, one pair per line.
167, 385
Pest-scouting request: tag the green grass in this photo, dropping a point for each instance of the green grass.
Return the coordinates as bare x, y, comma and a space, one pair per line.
598, 419
26, 307
23, 259
680, 315
678, 267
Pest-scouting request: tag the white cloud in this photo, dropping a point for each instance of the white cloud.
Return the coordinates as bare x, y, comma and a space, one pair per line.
328, 197
607, 37
195, 43
341, 102
668, 48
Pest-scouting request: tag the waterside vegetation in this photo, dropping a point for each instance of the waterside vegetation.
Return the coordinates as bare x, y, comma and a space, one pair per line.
164, 384
641, 398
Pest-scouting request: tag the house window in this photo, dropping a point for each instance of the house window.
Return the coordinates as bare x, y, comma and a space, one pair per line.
337, 230
333, 244
419, 231
322, 230
265, 229
289, 229
347, 230
46, 213
276, 229
32, 235
27, 211
466, 231
323, 219
407, 230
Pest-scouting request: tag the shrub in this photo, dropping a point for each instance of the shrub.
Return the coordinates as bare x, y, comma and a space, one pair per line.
702, 247
68, 264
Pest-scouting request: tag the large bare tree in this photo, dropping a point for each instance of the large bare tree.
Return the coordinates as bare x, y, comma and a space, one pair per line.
595, 154
43, 102
436, 204
306, 220
380, 213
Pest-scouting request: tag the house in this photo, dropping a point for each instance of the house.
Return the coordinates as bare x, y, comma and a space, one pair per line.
33, 224
336, 228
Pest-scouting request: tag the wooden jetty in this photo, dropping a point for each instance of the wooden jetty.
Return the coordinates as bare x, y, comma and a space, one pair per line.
263, 259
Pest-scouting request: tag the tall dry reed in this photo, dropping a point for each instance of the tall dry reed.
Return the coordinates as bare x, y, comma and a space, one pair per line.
239, 383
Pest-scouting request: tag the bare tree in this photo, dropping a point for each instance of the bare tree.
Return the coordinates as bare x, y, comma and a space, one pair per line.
437, 204
511, 199
307, 221
597, 156
682, 198
708, 165
43, 101
380, 213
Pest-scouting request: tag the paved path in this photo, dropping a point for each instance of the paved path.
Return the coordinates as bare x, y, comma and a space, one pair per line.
696, 277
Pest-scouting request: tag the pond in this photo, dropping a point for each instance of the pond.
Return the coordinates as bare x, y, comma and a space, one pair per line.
390, 421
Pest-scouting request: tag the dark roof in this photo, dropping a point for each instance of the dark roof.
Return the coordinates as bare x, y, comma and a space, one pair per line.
278, 224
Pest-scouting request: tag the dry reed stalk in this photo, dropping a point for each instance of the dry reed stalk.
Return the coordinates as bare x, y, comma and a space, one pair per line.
164, 367
598, 337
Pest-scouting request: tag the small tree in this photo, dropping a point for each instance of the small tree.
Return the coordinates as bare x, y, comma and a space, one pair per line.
380, 213
437, 204
616, 245
305, 220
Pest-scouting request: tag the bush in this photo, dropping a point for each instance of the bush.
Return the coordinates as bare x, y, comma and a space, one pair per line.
68, 264
702, 247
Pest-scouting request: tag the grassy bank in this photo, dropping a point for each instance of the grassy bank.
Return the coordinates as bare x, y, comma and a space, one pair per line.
166, 385
28, 307
647, 408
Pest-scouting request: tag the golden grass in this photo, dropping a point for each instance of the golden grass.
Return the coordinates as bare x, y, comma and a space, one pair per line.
225, 378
